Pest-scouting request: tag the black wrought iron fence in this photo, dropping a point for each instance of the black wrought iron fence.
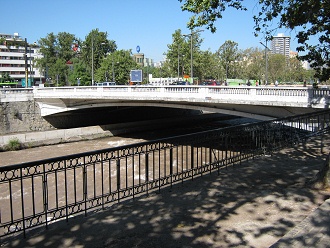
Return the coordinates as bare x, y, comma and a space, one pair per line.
41, 192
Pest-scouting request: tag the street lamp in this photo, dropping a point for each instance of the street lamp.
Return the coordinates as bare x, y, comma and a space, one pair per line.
113, 71
266, 49
147, 70
182, 66
178, 61
92, 59
191, 50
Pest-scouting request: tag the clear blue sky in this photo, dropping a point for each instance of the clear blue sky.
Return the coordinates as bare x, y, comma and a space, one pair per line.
147, 23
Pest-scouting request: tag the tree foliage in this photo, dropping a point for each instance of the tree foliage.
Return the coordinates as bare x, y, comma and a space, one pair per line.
252, 63
207, 12
66, 58
57, 51
95, 47
309, 18
80, 73
178, 56
116, 67
228, 55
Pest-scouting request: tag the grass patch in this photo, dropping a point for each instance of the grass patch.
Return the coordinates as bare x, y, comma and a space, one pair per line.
13, 145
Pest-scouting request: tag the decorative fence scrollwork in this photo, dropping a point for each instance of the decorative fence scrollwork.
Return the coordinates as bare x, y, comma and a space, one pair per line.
41, 192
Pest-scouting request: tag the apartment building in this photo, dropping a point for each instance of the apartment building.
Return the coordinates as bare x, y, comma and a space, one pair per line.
139, 58
280, 44
17, 62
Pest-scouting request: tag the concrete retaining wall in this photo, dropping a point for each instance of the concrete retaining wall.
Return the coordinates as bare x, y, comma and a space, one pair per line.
32, 139
21, 116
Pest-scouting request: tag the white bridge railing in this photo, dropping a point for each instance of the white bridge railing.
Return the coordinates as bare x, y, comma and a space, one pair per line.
280, 96
277, 95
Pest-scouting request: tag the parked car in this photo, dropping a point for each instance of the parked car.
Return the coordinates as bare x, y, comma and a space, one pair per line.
209, 83
180, 83
106, 84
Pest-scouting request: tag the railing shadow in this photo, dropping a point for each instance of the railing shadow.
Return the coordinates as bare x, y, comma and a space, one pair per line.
204, 153
251, 205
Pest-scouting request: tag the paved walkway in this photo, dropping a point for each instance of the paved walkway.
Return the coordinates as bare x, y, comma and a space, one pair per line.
260, 203
313, 231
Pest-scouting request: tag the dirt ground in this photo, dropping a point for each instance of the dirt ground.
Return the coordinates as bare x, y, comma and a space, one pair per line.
249, 205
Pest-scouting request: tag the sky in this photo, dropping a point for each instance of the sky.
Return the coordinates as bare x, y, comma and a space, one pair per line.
148, 24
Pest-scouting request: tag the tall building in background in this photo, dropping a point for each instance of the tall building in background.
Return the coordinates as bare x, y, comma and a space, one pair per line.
139, 58
280, 44
13, 63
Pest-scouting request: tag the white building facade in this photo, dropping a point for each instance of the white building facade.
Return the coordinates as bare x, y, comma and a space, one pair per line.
14, 64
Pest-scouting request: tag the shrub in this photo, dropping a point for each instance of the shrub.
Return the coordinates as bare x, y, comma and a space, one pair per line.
13, 145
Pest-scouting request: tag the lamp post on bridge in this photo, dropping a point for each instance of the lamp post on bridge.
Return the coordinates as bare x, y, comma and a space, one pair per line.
266, 58
92, 59
191, 50
178, 61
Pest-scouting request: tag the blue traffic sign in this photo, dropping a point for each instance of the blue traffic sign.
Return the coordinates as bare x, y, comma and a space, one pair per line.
136, 76
138, 49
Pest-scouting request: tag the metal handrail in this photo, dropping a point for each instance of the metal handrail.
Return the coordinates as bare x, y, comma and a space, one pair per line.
41, 192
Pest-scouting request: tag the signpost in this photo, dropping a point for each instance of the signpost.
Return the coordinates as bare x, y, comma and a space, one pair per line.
136, 76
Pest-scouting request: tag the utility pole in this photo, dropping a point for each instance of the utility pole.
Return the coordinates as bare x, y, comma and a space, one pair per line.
191, 50
266, 50
113, 69
26, 65
92, 59
178, 61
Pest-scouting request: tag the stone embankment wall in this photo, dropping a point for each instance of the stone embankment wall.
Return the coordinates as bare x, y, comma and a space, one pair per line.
22, 120
21, 116
33, 139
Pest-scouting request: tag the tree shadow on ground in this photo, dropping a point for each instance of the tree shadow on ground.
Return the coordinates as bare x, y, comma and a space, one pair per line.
248, 205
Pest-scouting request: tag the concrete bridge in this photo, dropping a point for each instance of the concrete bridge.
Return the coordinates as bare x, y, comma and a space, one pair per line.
254, 102
262, 103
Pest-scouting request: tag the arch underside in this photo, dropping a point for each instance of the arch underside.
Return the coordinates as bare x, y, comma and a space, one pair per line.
85, 113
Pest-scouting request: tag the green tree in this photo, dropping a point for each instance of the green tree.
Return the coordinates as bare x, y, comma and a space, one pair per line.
5, 77
207, 12
309, 17
57, 52
228, 55
60, 71
295, 72
177, 54
116, 67
252, 63
80, 73
206, 66
95, 48
276, 68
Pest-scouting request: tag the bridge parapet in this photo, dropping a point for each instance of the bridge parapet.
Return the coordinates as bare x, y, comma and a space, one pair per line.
254, 95
16, 95
240, 100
